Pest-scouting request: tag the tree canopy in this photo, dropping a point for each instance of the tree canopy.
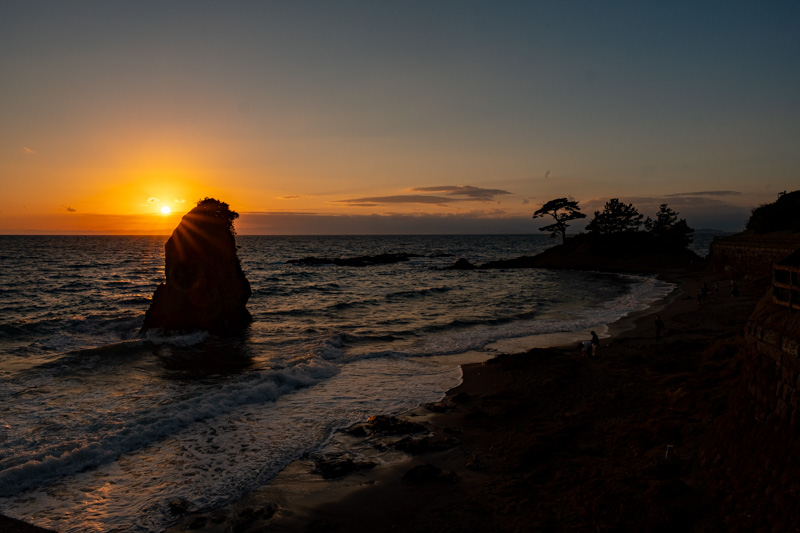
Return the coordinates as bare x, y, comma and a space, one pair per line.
562, 210
667, 227
217, 209
616, 217
782, 214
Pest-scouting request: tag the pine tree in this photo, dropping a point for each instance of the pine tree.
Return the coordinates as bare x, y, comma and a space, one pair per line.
616, 217
562, 211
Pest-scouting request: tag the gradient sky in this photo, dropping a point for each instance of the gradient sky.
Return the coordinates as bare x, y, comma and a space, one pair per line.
338, 117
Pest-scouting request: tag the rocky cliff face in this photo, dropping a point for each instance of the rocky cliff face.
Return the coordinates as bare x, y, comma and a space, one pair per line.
205, 286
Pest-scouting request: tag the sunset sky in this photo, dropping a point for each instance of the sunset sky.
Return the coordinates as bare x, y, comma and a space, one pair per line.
342, 117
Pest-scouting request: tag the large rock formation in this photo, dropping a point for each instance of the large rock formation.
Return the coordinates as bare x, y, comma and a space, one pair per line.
205, 286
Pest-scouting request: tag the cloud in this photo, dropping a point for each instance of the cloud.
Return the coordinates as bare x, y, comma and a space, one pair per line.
473, 193
152, 200
705, 193
181, 201
455, 193
400, 199
70, 209
292, 197
29, 151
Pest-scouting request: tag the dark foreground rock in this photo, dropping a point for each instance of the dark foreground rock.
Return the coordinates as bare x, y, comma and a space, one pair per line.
385, 425
10, 525
205, 286
333, 466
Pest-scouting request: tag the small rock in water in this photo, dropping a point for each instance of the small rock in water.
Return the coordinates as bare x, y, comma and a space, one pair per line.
462, 264
178, 506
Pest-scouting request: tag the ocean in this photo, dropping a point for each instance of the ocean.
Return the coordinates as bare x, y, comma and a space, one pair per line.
101, 427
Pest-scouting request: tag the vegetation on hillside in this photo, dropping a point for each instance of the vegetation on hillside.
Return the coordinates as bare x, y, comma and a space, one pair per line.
212, 207
780, 215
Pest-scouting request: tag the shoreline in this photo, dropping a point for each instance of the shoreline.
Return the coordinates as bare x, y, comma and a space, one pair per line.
510, 418
490, 418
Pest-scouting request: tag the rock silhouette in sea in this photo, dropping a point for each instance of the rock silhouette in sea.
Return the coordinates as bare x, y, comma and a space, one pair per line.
205, 286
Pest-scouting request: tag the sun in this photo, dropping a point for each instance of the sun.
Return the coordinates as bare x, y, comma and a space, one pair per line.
166, 210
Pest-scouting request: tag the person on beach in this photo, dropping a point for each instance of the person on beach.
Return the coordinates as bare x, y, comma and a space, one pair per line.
586, 348
659, 327
595, 344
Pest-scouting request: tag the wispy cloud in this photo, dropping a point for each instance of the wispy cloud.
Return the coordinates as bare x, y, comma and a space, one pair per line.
473, 193
454, 193
70, 209
705, 193
399, 199
177, 201
152, 200
29, 151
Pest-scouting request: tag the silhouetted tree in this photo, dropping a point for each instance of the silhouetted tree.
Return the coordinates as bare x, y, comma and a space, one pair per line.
562, 211
616, 217
668, 228
217, 209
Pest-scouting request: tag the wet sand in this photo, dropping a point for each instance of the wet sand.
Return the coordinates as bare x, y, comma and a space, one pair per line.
546, 440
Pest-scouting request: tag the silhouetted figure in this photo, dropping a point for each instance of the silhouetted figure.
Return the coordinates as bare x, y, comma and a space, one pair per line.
734, 289
595, 344
586, 348
205, 286
659, 327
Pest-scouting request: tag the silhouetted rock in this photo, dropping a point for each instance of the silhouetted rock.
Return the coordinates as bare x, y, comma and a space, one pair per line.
427, 444
462, 264
385, 425
205, 286
621, 252
332, 467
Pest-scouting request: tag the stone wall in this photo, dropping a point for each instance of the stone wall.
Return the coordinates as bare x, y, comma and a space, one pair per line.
774, 385
753, 454
752, 256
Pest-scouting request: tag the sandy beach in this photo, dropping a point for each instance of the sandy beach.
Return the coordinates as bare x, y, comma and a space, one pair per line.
546, 440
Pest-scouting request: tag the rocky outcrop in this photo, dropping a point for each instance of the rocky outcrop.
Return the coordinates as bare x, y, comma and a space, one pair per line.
462, 264
205, 286
624, 252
